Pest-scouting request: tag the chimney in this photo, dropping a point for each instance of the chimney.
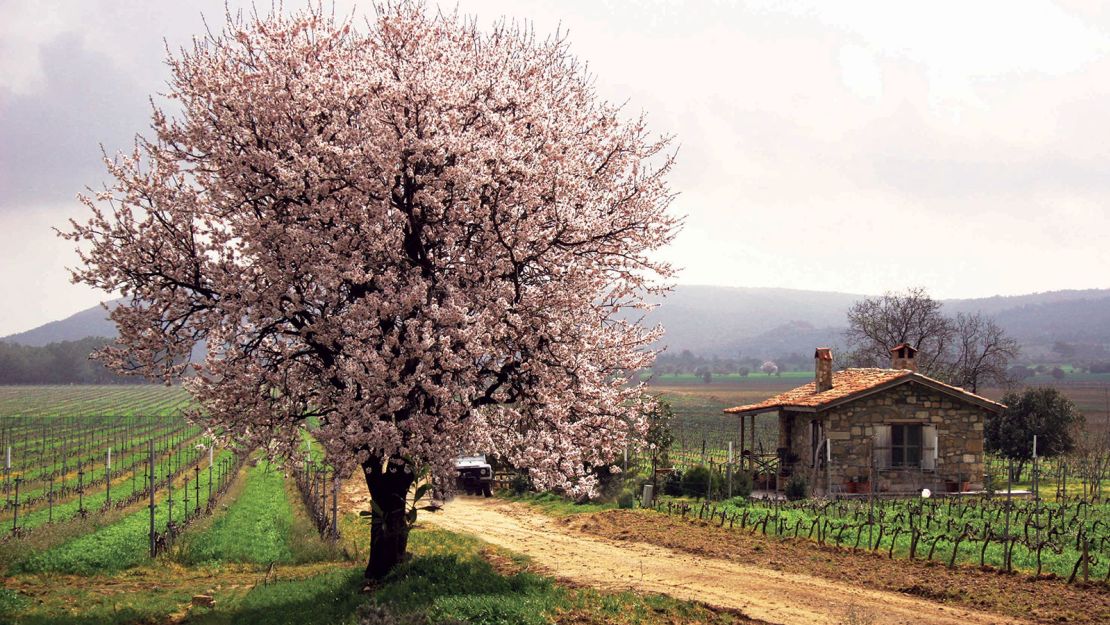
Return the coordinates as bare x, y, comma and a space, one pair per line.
822, 361
903, 356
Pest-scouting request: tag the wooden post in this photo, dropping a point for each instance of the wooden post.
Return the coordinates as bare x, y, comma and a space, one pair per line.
169, 496
1009, 495
1064, 482
742, 442
751, 441
871, 492
1036, 493
708, 482
151, 472
335, 508
828, 467
729, 469
324, 494
7, 473
15, 510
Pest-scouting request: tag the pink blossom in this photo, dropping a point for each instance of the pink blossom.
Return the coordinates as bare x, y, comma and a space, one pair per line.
429, 238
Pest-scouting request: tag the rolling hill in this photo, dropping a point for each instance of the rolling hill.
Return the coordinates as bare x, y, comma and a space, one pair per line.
723, 321
89, 322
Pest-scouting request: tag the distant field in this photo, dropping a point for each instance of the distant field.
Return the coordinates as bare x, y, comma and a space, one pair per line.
1091, 396
147, 400
701, 424
756, 378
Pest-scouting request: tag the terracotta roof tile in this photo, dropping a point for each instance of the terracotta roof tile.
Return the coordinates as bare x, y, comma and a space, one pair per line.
845, 384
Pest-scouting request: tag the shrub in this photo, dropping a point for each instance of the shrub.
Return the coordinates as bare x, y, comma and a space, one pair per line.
626, 500
520, 484
741, 484
673, 485
697, 481
796, 489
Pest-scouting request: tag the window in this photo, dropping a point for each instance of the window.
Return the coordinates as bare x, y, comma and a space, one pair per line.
905, 445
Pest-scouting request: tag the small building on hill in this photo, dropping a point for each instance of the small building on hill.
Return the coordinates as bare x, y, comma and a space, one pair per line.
881, 430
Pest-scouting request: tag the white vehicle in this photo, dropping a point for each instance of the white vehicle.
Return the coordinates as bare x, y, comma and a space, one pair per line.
475, 475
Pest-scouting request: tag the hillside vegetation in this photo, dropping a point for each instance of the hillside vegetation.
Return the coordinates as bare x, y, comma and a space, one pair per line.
771, 322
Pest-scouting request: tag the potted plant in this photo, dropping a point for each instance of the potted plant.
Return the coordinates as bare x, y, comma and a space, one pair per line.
860, 485
965, 483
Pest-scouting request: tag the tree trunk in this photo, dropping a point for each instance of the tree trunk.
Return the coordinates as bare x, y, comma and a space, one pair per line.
389, 529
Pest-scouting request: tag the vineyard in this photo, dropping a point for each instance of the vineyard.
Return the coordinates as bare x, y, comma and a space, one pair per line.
94, 470
100, 480
75, 456
1068, 539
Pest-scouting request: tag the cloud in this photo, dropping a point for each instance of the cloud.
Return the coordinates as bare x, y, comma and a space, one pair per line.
813, 135
52, 135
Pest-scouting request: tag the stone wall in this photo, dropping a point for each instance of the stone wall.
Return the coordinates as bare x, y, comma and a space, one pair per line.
851, 427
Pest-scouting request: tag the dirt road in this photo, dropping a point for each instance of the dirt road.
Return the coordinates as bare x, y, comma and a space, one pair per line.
760, 593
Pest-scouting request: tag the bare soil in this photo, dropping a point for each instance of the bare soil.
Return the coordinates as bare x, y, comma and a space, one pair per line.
630, 551
1044, 600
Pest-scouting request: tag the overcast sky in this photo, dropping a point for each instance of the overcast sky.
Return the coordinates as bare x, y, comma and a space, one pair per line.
848, 146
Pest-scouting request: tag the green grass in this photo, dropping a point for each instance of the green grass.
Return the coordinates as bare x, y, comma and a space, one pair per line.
450, 578
81, 400
11, 602
265, 523
330, 598
256, 528
119, 546
99, 609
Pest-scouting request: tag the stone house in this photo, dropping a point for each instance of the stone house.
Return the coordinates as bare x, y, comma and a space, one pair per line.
882, 430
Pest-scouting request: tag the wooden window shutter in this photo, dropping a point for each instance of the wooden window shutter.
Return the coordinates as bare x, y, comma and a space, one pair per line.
882, 447
809, 441
929, 447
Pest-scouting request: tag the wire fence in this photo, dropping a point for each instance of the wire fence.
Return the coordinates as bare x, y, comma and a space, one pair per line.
318, 484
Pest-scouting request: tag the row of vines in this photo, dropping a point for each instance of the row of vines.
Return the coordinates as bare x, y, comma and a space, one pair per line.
1068, 538
76, 453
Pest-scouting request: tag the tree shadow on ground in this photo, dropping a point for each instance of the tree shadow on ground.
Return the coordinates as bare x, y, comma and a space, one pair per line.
327, 599
470, 589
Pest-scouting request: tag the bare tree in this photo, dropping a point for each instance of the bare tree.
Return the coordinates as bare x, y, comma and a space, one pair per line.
877, 324
982, 352
967, 350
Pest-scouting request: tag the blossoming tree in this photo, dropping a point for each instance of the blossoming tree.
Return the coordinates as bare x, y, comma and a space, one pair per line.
425, 238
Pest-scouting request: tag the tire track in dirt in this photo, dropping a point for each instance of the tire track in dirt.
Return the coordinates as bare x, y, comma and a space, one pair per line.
763, 594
